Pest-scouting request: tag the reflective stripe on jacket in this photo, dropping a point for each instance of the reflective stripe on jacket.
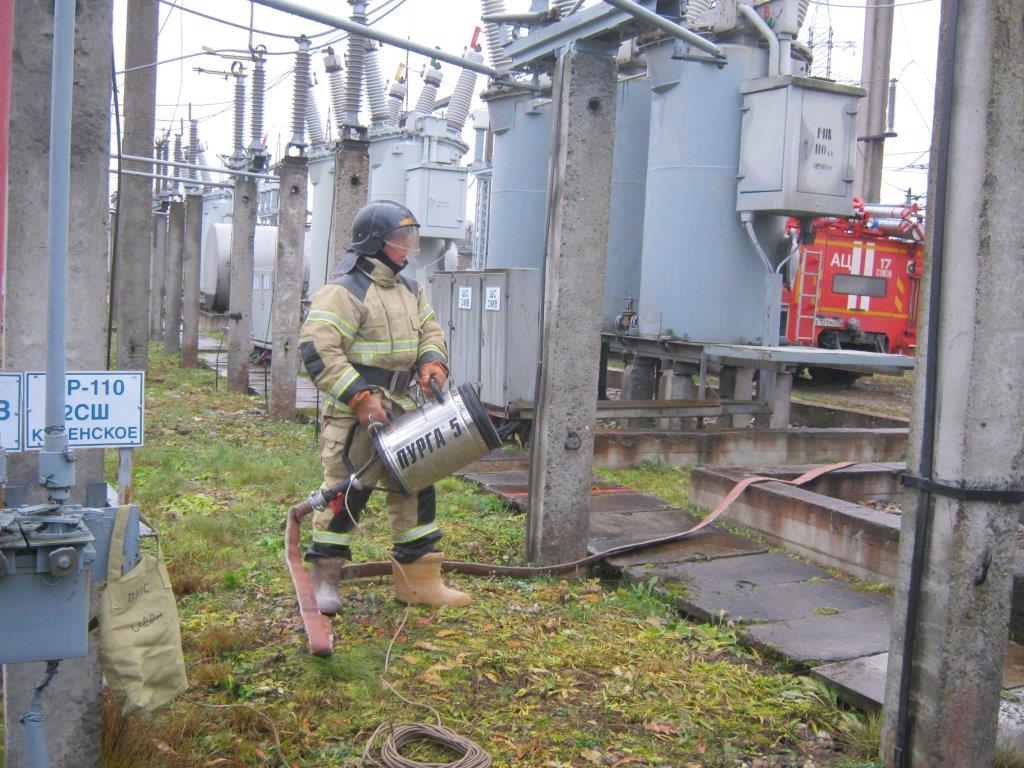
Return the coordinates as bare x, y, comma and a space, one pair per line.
367, 316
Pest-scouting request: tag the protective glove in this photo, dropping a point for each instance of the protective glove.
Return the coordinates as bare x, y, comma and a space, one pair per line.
368, 408
433, 370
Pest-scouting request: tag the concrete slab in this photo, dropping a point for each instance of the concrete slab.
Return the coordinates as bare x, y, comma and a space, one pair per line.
648, 524
757, 570
626, 502
827, 638
709, 544
860, 682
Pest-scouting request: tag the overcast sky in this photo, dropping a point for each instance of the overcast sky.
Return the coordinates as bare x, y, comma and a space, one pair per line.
449, 24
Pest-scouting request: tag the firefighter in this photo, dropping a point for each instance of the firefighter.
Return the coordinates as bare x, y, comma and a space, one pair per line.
370, 334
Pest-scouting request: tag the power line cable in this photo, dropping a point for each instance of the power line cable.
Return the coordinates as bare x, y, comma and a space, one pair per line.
830, 4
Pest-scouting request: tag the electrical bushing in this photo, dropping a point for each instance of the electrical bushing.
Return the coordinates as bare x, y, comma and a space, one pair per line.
46, 553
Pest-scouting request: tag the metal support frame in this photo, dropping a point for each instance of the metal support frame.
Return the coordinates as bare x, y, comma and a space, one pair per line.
182, 179
375, 34
190, 166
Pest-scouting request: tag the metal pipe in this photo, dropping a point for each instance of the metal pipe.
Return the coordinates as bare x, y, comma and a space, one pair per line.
515, 18
785, 55
747, 219
765, 31
667, 25
192, 166
58, 477
36, 749
372, 33
903, 746
145, 175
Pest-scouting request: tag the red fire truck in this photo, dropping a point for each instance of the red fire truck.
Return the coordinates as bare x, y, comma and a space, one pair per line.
856, 285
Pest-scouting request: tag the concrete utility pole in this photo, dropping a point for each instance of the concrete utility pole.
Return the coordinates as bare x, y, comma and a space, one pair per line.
291, 231
243, 239
351, 177
158, 271
969, 405
190, 280
175, 258
874, 76
72, 701
579, 202
134, 250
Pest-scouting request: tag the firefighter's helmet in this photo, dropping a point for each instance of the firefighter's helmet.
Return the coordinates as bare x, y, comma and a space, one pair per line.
375, 221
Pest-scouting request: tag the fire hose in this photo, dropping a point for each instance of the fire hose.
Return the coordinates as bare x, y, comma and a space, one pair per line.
318, 627
320, 632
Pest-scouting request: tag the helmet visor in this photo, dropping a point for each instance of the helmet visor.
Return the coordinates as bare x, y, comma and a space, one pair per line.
404, 238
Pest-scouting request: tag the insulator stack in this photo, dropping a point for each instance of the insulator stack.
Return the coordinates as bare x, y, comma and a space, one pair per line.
201, 159
396, 101
332, 64
563, 6
431, 81
239, 116
462, 96
314, 124
161, 169
178, 158
300, 94
192, 151
259, 88
379, 114
356, 59
695, 9
496, 37
890, 108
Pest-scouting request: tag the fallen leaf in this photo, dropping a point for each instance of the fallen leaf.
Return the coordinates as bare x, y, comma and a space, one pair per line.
423, 645
260, 754
660, 728
431, 677
491, 676
593, 756
220, 761
164, 747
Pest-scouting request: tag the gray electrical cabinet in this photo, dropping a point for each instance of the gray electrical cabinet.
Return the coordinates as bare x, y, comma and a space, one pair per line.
464, 329
798, 147
510, 335
45, 558
262, 307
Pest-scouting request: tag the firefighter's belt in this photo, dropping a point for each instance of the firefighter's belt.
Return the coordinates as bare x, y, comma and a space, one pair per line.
393, 381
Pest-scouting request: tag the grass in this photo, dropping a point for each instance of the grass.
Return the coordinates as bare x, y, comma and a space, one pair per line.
544, 672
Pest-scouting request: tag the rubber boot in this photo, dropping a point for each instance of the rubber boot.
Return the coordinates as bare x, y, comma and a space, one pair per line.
325, 573
419, 583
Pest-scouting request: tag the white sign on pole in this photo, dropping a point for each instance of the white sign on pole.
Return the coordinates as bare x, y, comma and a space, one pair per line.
104, 409
465, 297
10, 411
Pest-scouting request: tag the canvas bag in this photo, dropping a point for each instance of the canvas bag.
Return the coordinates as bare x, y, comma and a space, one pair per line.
140, 637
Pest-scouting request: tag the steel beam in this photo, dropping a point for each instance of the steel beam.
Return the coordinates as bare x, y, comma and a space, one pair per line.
383, 37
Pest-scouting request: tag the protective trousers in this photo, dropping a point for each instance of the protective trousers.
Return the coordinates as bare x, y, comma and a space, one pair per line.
412, 517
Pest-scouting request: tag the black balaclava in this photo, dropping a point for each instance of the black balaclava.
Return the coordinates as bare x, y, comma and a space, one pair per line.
382, 256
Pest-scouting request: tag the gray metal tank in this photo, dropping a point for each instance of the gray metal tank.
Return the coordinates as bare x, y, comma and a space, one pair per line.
701, 278
521, 125
629, 181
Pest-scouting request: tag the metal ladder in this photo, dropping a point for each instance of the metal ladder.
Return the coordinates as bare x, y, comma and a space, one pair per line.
808, 294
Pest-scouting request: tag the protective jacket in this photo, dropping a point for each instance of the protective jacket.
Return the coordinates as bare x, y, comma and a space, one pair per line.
367, 318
